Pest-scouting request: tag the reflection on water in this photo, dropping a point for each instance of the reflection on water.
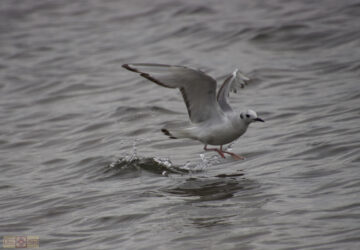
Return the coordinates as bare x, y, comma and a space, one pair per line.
206, 189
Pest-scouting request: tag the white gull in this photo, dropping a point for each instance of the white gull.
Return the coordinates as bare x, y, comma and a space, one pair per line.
213, 121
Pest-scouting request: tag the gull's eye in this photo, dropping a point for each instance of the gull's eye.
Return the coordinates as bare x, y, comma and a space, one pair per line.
247, 115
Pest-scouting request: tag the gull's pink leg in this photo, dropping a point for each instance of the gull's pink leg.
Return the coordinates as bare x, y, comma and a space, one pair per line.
214, 149
235, 156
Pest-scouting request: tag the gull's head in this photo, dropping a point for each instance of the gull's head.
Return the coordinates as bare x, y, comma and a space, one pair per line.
250, 116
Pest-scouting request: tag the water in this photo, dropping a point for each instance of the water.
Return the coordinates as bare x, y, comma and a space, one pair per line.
85, 166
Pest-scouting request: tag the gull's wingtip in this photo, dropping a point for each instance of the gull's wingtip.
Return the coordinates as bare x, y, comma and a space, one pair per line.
129, 67
235, 72
126, 66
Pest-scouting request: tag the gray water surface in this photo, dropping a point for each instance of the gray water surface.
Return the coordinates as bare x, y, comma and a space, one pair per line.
84, 164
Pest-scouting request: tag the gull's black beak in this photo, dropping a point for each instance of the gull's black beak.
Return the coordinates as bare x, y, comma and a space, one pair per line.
259, 119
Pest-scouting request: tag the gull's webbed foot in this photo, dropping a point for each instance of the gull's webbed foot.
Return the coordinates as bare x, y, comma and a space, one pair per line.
219, 151
235, 156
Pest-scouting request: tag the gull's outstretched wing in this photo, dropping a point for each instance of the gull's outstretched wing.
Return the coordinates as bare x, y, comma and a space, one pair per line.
231, 84
197, 88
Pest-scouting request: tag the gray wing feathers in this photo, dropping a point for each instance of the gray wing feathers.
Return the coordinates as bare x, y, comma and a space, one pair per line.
197, 88
223, 94
231, 84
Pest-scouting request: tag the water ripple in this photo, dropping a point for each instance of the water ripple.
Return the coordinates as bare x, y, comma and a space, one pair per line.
85, 165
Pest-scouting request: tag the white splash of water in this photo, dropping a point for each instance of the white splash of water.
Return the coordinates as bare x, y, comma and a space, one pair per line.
187, 166
163, 161
204, 163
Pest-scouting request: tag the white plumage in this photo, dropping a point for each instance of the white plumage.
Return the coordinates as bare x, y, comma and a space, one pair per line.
213, 121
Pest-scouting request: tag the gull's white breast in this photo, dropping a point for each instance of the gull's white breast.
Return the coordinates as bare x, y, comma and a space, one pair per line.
220, 133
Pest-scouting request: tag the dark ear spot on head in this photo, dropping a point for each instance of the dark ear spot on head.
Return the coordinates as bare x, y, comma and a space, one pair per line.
241, 116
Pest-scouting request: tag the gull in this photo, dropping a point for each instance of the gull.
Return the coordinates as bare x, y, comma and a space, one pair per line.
212, 120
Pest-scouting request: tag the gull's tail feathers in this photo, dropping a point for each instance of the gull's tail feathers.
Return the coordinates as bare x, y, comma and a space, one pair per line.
167, 132
176, 133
